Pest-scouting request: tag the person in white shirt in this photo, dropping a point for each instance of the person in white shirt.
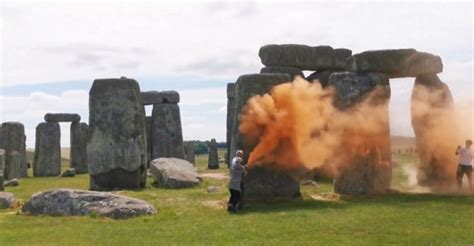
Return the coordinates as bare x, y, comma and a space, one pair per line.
465, 163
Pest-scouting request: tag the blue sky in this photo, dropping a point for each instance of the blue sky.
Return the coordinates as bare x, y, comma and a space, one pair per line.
51, 52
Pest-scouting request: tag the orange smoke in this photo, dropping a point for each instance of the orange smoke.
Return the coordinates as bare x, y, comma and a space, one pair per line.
296, 125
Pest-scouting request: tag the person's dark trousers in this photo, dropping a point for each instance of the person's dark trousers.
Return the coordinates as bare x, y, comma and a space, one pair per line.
463, 169
240, 204
233, 200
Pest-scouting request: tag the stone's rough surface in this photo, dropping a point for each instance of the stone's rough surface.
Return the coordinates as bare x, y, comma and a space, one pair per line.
293, 72
174, 173
434, 123
47, 159
213, 161
2, 167
246, 87
190, 156
352, 88
166, 132
12, 183
148, 139
304, 57
13, 139
78, 155
151, 97
262, 183
395, 63
14, 168
322, 76
49, 117
7, 200
230, 116
69, 202
71, 172
170, 96
369, 170
116, 147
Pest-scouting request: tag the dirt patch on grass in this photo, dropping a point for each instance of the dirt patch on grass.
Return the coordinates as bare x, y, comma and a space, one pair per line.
219, 176
215, 204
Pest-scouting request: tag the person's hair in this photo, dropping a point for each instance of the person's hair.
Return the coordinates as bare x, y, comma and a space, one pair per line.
239, 160
468, 141
239, 153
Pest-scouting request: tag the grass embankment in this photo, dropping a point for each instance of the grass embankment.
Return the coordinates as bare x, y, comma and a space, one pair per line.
193, 216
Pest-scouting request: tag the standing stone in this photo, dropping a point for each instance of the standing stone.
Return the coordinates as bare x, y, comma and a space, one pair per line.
367, 167
2, 167
304, 57
293, 72
321, 76
148, 139
14, 167
230, 116
116, 148
397, 63
78, 156
13, 139
264, 184
166, 133
434, 124
47, 159
213, 161
190, 155
49, 117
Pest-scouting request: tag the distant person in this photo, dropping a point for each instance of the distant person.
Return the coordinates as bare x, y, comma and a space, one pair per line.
465, 163
237, 171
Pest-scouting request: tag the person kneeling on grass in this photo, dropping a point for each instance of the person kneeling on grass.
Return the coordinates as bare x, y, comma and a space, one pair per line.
237, 171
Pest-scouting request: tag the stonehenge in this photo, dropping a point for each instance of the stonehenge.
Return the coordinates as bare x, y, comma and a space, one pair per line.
260, 183
13, 138
47, 159
190, 154
166, 132
213, 161
116, 147
2, 167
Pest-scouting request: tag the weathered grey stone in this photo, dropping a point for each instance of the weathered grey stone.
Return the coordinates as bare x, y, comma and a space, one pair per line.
434, 123
304, 57
230, 116
71, 172
47, 159
190, 155
78, 154
293, 72
148, 140
395, 63
352, 88
322, 76
2, 167
170, 96
246, 87
213, 161
49, 117
174, 173
11, 183
116, 148
7, 200
368, 171
14, 167
262, 183
13, 139
151, 97
69, 202
166, 132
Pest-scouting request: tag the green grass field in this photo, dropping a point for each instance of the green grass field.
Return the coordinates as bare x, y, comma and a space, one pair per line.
193, 216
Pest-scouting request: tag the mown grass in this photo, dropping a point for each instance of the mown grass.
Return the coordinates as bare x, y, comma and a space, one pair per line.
193, 216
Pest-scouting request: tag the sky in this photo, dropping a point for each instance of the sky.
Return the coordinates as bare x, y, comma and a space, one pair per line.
51, 52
